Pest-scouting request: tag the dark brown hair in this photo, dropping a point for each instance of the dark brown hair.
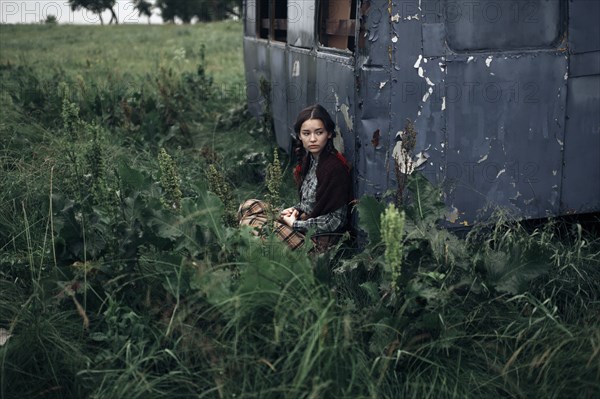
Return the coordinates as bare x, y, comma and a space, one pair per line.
315, 111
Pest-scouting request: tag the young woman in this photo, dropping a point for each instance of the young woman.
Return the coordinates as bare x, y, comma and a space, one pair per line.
324, 186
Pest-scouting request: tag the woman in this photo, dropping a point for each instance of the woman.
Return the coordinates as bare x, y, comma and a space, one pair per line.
324, 185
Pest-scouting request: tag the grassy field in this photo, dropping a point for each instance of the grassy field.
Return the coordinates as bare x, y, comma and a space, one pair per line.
124, 152
126, 49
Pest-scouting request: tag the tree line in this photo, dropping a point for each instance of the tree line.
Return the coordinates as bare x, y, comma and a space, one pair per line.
169, 10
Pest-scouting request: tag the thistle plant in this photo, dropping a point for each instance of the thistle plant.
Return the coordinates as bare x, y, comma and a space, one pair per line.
169, 180
274, 177
70, 117
218, 184
95, 167
392, 228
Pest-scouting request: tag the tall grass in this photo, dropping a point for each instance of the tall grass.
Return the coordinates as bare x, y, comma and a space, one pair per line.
108, 293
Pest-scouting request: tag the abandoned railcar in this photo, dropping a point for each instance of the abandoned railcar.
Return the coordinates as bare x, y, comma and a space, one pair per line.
504, 94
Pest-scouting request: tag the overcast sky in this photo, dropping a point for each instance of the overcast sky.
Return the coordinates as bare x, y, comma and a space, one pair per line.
34, 11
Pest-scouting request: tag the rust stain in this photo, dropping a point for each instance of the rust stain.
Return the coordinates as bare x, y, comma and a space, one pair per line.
375, 140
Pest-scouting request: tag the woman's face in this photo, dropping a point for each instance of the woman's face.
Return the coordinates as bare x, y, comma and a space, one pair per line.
314, 136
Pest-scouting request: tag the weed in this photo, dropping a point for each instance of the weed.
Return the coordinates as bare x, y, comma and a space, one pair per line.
169, 180
273, 179
218, 184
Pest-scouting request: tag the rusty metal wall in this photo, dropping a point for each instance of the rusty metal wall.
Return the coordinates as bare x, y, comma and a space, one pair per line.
501, 123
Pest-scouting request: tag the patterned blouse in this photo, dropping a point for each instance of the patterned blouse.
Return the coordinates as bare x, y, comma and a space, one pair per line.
327, 223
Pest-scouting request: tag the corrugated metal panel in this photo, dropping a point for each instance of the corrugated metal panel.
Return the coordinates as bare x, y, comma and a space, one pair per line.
255, 58
581, 174
373, 88
418, 84
505, 122
301, 85
584, 28
335, 91
485, 25
279, 83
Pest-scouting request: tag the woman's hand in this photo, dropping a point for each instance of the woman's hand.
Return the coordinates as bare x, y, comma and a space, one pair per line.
289, 212
289, 215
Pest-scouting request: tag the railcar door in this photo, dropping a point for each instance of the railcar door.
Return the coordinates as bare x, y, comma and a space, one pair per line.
487, 92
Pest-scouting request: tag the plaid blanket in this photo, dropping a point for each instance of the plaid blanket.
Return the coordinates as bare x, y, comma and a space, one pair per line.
255, 213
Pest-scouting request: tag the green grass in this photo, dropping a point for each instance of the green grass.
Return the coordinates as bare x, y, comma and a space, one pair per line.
108, 293
117, 50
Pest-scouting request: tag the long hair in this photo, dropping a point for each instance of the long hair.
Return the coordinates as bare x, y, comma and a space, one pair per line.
315, 111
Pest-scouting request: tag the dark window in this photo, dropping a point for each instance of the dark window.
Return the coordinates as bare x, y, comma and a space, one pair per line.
502, 25
262, 22
337, 24
272, 20
280, 22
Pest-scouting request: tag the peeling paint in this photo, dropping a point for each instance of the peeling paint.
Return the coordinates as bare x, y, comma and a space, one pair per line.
382, 85
500, 172
444, 103
429, 82
483, 159
452, 216
395, 18
428, 93
488, 61
345, 109
421, 158
471, 58
338, 142
395, 39
418, 63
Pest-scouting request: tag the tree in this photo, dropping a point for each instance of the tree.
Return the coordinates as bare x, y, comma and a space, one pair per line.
97, 7
144, 8
204, 10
